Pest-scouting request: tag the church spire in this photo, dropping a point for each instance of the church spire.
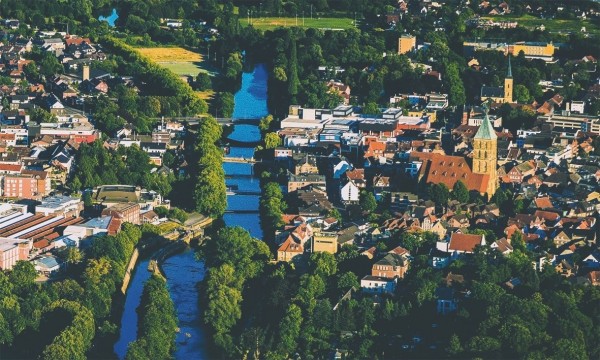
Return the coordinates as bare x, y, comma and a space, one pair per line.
486, 130
509, 73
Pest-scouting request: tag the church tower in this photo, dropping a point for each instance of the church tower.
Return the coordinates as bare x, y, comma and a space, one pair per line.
485, 154
508, 84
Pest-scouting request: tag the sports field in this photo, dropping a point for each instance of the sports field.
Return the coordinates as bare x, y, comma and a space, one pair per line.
550, 25
179, 60
270, 23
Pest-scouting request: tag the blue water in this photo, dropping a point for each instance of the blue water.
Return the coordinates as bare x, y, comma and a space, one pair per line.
250, 103
129, 319
251, 99
246, 133
183, 272
110, 19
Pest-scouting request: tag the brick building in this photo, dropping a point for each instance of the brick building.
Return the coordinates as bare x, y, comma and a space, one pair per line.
28, 184
127, 212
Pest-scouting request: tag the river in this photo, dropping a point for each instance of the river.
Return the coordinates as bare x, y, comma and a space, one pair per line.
183, 271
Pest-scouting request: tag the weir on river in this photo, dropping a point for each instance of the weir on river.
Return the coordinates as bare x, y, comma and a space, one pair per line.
183, 271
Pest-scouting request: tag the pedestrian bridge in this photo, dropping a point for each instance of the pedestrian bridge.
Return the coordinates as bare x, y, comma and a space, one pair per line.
233, 159
236, 121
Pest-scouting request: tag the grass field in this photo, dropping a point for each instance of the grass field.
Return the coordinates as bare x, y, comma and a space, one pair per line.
270, 23
551, 25
179, 60
206, 95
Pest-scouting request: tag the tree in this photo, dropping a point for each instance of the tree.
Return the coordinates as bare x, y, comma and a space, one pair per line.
371, 108
323, 263
518, 241
40, 115
272, 140
224, 104
346, 281
521, 94
454, 347
456, 88
203, 81
367, 201
460, 192
335, 213
293, 81
265, 123
439, 194
290, 329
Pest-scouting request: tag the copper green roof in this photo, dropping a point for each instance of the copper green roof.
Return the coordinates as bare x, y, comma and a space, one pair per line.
486, 131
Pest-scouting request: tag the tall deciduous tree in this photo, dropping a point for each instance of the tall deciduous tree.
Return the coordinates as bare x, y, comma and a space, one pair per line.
460, 192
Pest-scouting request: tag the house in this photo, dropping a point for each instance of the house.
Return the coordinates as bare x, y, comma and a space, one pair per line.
289, 250
296, 182
461, 244
503, 246
350, 193
390, 266
594, 277
377, 285
149, 217
306, 165
282, 153
381, 184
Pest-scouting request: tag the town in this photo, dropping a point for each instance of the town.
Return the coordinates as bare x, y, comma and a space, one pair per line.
421, 182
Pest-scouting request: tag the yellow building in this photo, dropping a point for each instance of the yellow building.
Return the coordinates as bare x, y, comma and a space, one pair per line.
533, 50
406, 44
485, 155
325, 242
421, 113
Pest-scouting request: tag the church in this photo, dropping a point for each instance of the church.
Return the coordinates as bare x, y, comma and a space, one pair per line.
481, 175
499, 94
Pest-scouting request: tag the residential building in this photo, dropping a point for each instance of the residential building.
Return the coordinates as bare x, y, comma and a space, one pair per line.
377, 285
406, 44
390, 266
296, 182
289, 250
349, 192
28, 184
325, 242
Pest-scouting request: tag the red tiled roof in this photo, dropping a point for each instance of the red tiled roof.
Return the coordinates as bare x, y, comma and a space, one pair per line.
114, 226
547, 215
356, 174
446, 169
464, 242
399, 250
543, 203
289, 245
10, 167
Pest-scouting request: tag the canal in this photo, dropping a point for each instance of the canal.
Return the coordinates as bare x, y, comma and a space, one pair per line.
184, 271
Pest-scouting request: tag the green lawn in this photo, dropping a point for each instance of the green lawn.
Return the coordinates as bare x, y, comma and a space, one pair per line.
183, 68
551, 25
270, 23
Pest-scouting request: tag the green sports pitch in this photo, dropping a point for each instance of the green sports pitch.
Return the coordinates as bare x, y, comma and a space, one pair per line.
270, 23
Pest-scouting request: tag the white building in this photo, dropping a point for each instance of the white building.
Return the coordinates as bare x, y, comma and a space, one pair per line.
377, 285
350, 192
